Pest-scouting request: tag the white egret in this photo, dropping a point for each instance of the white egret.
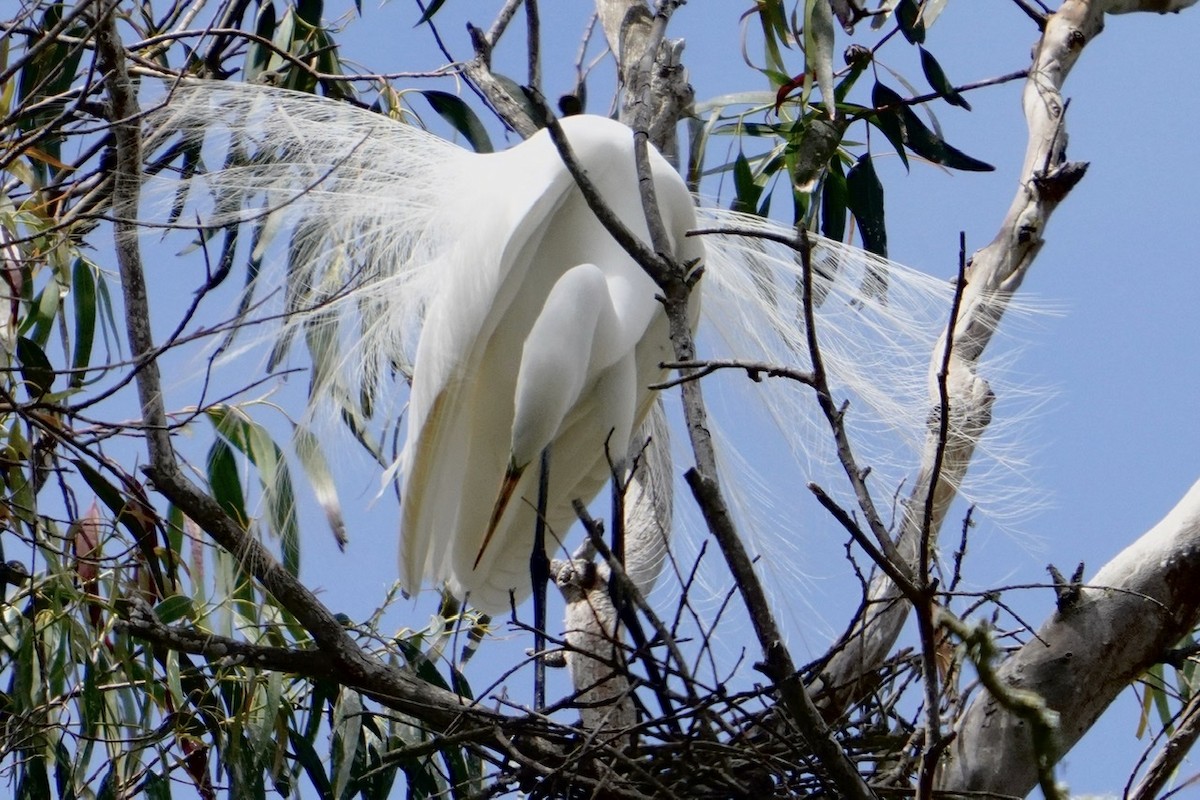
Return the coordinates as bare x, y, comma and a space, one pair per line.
521, 322
551, 339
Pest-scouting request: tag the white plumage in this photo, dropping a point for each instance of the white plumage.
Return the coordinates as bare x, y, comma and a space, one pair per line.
549, 336
521, 322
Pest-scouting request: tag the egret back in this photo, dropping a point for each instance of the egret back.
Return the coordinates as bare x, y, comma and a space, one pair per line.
458, 448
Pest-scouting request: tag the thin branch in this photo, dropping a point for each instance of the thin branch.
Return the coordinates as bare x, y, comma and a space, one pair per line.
1169, 759
935, 743
140, 621
778, 665
943, 411
1034, 14
902, 579
126, 195
533, 42
634, 596
503, 17
835, 416
1028, 705
919, 99
755, 371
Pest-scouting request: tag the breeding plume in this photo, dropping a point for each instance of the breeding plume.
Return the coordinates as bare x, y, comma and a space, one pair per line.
488, 283
547, 335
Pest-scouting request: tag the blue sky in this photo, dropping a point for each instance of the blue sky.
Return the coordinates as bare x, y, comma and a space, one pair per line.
1115, 446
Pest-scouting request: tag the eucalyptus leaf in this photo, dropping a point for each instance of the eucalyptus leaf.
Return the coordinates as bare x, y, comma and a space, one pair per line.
864, 197
912, 24
258, 55
36, 370
224, 483
887, 117
452, 109
939, 82
834, 202
83, 296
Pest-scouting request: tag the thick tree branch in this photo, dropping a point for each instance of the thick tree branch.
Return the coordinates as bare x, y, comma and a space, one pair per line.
677, 282
1136, 607
996, 272
127, 181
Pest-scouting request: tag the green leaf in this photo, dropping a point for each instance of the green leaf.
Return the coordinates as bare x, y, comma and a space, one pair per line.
773, 18
746, 190
347, 731
310, 11
174, 608
40, 321
928, 144
258, 55
452, 109
818, 49
224, 483
48, 74
107, 790
900, 120
36, 370
312, 459
253, 441
108, 321
864, 197
420, 663
421, 776
92, 707
33, 783
310, 762
285, 32
908, 17
175, 533
430, 10
330, 63
887, 117
939, 82
517, 93
83, 295
156, 787
63, 769
834, 202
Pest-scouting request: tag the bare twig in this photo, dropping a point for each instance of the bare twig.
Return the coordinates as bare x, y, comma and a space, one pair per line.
755, 371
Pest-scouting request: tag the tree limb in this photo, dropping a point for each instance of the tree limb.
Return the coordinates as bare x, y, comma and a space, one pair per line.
1136, 607
996, 272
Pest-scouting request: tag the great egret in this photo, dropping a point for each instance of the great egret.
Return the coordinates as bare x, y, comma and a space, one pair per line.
488, 281
549, 335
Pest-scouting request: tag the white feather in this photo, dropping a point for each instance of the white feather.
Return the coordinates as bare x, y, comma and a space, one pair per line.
418, 257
